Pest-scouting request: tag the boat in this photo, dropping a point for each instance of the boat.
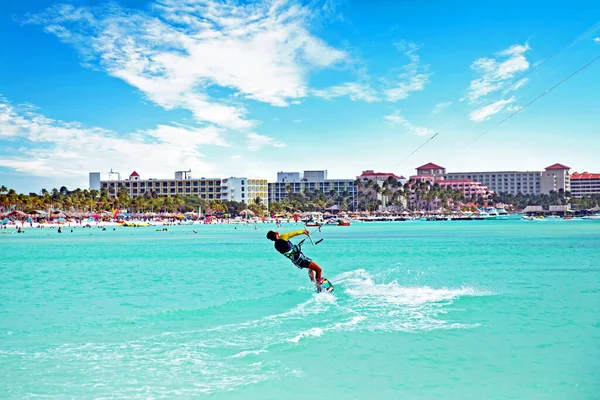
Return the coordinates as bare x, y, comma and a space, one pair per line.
343, 223
492, 213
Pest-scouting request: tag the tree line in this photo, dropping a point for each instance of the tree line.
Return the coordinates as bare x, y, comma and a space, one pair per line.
413, 195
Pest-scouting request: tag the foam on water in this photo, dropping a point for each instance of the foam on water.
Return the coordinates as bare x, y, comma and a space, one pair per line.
232, 355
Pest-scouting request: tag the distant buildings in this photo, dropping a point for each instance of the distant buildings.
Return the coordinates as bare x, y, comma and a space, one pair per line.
554, 178
584, 184
311, 182
371, 184
378, 178
436, 174
244, 190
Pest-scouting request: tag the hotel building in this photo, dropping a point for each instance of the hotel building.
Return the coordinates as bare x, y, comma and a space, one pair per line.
239, 189
584, 184
555, 177
433, 173
245, 190
379, 178
312, 181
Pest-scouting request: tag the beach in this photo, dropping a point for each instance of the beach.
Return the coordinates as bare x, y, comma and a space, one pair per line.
461, 310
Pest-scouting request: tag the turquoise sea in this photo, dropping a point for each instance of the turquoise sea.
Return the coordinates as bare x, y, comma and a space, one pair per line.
421, 310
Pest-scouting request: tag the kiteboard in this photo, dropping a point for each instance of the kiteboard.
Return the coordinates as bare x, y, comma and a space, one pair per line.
326, 286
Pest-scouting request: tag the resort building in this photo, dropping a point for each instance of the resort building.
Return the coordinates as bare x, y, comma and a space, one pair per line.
512, 182
434, 174
471, 189
245, 190
584, 184
431, 169
378, 178
312, 181
183, 185
555, 177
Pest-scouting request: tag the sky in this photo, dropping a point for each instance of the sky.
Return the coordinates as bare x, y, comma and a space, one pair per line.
250, 88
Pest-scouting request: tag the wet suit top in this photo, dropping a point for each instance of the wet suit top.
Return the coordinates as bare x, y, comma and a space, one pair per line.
290, 250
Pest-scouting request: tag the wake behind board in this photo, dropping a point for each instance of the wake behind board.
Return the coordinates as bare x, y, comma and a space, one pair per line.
326, 286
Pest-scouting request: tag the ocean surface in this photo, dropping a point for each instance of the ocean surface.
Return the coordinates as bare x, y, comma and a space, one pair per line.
421, 310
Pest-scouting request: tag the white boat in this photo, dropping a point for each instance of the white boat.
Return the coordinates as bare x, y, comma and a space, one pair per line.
502, 213
487, 213
594, 216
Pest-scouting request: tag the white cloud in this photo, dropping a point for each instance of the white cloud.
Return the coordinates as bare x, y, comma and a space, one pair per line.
441, 106
355, 91
257, 142
177, 50
297, 121
519, 84
484, 113
597, 40
235, 156
397, 119
496, 72
69, 149
413, 79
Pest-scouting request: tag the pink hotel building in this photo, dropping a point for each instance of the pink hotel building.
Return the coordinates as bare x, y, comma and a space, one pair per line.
435, 174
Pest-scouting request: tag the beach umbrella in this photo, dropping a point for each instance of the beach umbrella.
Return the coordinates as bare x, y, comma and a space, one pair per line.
246, 212
62, 220
95, 216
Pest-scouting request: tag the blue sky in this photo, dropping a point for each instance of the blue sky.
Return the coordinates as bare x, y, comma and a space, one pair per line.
251, 88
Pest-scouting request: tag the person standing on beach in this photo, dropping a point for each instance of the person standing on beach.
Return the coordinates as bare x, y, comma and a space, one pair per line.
294, 253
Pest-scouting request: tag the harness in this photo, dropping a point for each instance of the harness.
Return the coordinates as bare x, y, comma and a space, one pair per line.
295, 252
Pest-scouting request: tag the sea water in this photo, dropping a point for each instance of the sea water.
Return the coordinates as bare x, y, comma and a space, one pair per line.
421, 310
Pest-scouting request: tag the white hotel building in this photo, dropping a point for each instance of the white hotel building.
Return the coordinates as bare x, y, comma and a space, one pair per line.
243, 190
554, 178
311, 181
584, 184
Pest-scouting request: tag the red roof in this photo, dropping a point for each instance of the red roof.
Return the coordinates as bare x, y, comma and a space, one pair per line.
134, 174
584, 175
558, 166
430, 166
371, 173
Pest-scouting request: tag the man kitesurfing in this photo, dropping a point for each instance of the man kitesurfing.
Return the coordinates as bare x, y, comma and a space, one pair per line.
294, 253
